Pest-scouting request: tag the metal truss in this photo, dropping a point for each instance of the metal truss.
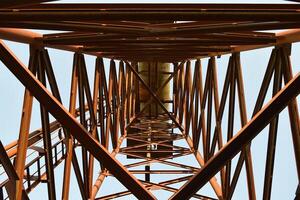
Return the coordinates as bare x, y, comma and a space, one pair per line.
112, 119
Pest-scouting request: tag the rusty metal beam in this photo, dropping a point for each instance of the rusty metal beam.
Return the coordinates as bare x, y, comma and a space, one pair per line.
19, 35
10, 171
22, 144
213, 181
30, 37
272, 137
22, 3
243, 116
82, 117
69, 138
66, 119
24, 36
292, 107
78, 26
12, 175
102, 175
164, 6
94, 128
140, 15
231, 27
6, 163
108, 40
129, 32
243, 137
46, 132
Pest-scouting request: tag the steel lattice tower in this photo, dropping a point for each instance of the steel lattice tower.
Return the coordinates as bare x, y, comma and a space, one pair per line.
152, 102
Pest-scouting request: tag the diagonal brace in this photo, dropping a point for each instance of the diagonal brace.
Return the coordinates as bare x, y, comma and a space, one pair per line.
158, 91
155, 96
242, 138
68, 121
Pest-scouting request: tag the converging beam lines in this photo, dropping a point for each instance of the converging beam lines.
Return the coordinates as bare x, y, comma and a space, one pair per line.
55, 108
151, 106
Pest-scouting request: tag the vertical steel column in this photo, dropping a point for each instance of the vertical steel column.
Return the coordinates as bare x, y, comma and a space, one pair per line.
122, 96
69, 138
24, 128
243, 116
186, 98
270, 158
94, 128
103, 105
217, 138
230, 124
195, 97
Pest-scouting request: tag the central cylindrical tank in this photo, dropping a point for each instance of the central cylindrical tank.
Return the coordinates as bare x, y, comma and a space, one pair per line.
155, 74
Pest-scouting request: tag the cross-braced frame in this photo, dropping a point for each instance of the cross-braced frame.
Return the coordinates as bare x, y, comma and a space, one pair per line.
152, 102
